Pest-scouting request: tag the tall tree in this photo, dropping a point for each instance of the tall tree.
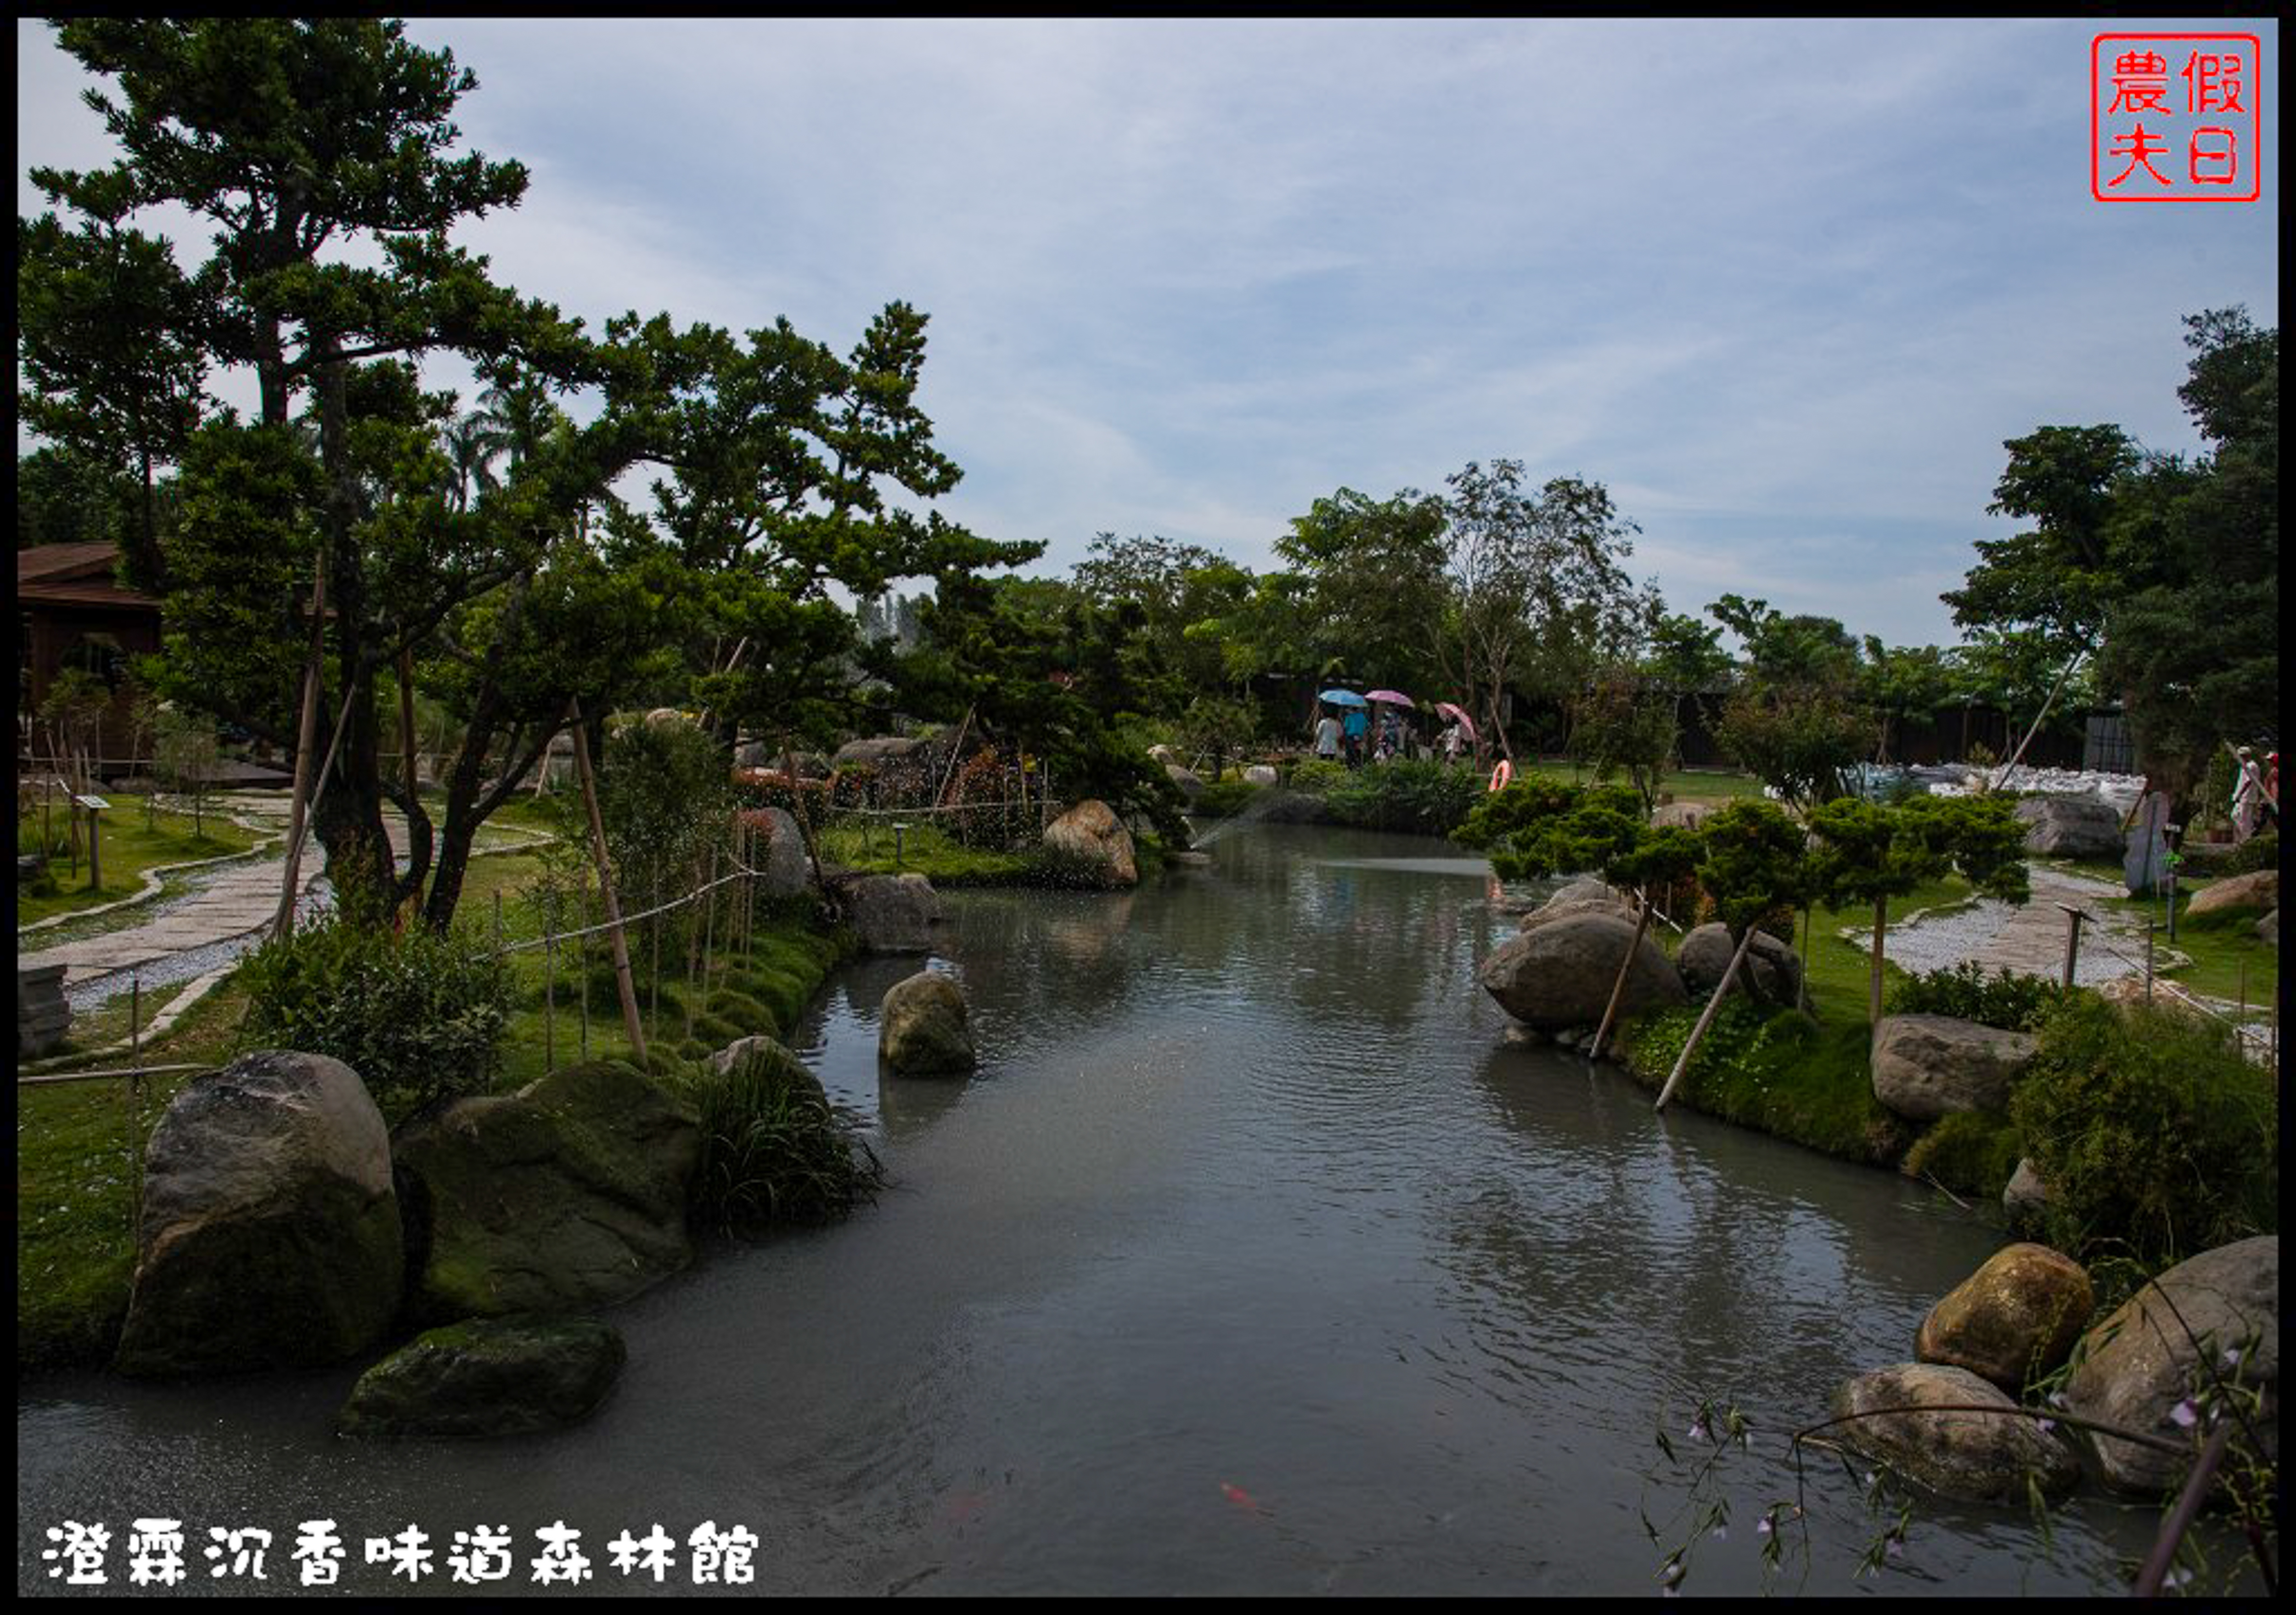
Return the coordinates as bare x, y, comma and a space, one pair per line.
1538, 584
2167, 569
1374, 586
295, 139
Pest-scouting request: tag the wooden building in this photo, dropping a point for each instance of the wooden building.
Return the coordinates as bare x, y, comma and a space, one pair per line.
72, 612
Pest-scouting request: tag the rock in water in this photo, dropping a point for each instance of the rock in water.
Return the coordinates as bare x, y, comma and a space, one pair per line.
270, 1234
569, 1194
2218, 1314
923, 1028
1981, 1457
2013, 1319
486, 1376
1929, 1065
1090, 845
1559, 975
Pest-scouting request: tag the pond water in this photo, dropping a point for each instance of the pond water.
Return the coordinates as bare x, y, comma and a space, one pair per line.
1253, 1259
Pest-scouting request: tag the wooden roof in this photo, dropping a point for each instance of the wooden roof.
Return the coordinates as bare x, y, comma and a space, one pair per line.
76, 575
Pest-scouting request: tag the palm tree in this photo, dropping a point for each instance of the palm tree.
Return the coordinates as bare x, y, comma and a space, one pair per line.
472, 445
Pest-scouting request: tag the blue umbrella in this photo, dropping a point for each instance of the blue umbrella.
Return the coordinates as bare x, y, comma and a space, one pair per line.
1342, 697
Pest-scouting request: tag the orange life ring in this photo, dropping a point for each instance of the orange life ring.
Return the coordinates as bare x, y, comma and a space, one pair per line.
1503, 776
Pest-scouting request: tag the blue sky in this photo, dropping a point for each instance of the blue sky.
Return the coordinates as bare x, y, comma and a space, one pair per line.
1784, 287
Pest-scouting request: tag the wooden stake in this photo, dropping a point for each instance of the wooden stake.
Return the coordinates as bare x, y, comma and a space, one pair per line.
306, 741
2073, 917
622, 982
1626, 965
1682, 1062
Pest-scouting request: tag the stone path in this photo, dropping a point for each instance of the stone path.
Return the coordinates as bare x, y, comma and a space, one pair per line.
238, 902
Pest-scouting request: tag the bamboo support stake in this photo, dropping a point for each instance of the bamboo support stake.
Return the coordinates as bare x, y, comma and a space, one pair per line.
550, 992
1681, 1061
306, 741
1626, 965
622, 982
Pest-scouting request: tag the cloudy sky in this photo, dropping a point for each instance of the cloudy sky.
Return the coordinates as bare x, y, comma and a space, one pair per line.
1784, 287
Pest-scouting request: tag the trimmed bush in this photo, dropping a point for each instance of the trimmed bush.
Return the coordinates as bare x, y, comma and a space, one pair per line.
420, 1017
2012, 1003
2157, 1138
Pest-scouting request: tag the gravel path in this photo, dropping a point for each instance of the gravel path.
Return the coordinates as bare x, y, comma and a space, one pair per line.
2029, 940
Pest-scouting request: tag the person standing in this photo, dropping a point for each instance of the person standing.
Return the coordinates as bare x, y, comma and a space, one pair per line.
1454, 740
1327, 737
1355, 728
2247, 796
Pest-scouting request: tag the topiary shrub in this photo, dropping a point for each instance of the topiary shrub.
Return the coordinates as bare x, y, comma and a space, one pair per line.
772, 1148
420, 1017
2011, 1001
2158, 1140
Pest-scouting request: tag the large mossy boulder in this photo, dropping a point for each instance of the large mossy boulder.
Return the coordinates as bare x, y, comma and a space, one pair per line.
1926, 1066
1089, 845
923, 1029
2012, 1321
270, 1234
1770, 974
2071, 827
1983, 1456
1559, 973
2217, 1316
567, 1195
892, 913
486, 1376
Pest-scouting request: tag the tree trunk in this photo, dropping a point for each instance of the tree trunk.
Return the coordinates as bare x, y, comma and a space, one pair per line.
1874, 981
1698, 1032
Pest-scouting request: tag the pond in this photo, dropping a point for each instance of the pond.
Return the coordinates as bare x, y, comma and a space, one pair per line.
1253, 1260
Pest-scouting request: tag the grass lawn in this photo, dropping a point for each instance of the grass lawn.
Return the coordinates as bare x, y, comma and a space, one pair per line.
128, 849
1681, 785
925, 849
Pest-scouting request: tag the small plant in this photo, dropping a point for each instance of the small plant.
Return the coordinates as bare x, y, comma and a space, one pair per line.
419, 1016
772, 1148
1320, 776
2004, 999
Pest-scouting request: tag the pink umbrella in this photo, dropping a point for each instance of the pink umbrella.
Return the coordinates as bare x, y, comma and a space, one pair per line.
1466, 724
1390, 698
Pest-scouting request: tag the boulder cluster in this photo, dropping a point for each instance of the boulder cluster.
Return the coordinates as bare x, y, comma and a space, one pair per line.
1966, 1418
284, 1226
1554, 977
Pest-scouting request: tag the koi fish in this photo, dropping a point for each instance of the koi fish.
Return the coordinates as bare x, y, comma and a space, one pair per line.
1240, 1497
